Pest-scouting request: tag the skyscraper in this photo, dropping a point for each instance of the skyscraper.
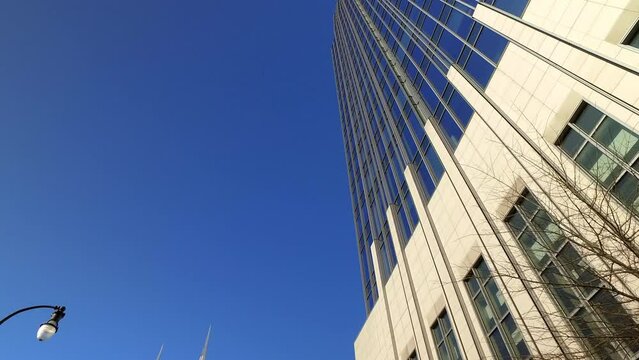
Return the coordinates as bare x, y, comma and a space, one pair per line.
491, 149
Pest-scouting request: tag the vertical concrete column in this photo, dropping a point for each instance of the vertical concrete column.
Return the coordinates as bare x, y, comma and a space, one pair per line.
383, 298
416, 322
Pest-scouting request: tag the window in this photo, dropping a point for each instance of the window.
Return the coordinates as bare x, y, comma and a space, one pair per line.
605, 149
505, 338
445, 340
633, 37
595, 314
515, 7
413, 356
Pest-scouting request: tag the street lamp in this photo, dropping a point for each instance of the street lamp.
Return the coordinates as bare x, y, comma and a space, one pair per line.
49, 328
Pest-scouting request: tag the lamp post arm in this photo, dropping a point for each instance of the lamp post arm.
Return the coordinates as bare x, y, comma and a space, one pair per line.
27, 309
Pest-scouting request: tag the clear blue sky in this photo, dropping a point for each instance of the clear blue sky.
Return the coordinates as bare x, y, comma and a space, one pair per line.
166, 164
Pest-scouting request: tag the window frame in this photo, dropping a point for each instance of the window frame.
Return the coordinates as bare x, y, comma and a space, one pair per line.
626, 167
553, 252
499, 320
632, 35
447, 343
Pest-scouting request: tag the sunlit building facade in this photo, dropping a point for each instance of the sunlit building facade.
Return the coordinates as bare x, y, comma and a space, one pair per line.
446, 106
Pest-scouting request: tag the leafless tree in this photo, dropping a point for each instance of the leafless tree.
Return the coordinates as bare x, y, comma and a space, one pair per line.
575, 244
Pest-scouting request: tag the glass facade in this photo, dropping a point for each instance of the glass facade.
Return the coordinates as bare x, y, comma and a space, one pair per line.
580, 294
391, 62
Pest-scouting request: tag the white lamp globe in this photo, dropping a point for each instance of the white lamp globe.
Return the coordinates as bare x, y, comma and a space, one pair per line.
46, 332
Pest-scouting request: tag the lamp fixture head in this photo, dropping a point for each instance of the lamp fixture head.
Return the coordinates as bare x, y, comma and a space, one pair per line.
49, 328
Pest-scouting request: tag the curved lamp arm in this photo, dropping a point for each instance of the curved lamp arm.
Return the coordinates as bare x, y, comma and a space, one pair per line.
47, 329
31, 308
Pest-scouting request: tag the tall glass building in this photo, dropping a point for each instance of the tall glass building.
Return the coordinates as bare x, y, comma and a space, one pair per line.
473, 129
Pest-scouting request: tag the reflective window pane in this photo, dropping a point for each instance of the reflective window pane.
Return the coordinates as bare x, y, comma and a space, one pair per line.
515, 335
579, 270
561, 288
537, 252
588, 118
499, 346
572, 142
627, 190
485, 312
496, 298
617, 139
602, 167
622, 325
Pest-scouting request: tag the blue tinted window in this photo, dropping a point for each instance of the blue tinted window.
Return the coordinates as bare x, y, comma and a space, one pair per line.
411, 147
459, 23
386, 262
479, 69
435, 164
515, 7
428, 27
436, 8
406, 227
429, 96
491, 44
412, 210
418, 128
451, 129
451, 45
427, 180
438, 80
461, 108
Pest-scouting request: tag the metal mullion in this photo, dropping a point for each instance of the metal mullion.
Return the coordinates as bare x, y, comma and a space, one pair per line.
354, 67
551, 254
522, 215
594, 141
390, 124
511, 347
605, 151
419, 149
433, 48
429, 168
447, 342
367, 276
399, 149
597, 125
532, 226
438, 22
426, 80
358, 155
453, 115
583, 145
388, 145
583, 300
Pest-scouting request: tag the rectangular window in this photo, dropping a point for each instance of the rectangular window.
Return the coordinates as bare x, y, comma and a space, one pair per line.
515, 7
445, 340
606, 150
503, 333
580, 294
633, 37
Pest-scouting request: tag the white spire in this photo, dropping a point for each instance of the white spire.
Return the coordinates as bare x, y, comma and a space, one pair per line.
205, 350
160, 354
